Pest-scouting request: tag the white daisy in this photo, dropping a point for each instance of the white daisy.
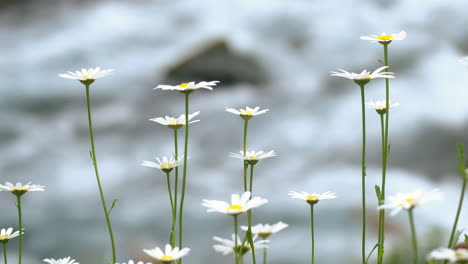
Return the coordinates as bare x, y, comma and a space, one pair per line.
61, 261
238, 205
175, 122
165, 164
464, 61
385, 38
312, 198
228, 246
188, 86
449, 254
87, 74
169, 255
253, 157
266, 230
7, 234
132, 262
248, 112
381, 106
20, 189
365, 76
408, 201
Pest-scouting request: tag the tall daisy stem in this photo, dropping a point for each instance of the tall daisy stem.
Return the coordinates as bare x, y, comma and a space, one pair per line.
312, 232
184, 177
460, 205
249, 216
264, 256
363, 174
236, 249
169, 190
176, 183
413, 236
5, 253
101, 192
244, 149
20, 224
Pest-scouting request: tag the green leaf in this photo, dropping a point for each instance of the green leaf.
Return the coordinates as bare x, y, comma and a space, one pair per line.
378, 193
91, 155
249, 237
461, 160
456, 237
109, 261
388, 150
383, 63
372, 251
113, 205
466, 238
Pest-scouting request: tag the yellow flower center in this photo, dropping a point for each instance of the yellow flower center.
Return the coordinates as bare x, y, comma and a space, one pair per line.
235, 207
409, 200
167, 257
252, 157
312, 198
458, 254
2, 237
85, 76
184, 85
22, 188
385, 37
245, 112
162, 166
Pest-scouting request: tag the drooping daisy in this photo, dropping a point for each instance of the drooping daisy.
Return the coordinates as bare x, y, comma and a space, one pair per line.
381, 106
464, 61
264, 231
248, 112
449, 254
169, 255
61, 261
365, 76
253, 157
166, 164
132, 262
408, 201
188, 86
312, 198
178, 122
228, 246
238, 205
20, 189
385, 38
87, 76
7, 234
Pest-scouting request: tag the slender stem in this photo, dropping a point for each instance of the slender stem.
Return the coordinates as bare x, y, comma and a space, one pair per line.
20, 224
460, 204
363, 174
5, 253
184, 177
413, 236
169, 190
101, 192
251, 179
244, 149
312, 232
264, 256
249, 214
381, 199
176, 182
236, 249
241, 260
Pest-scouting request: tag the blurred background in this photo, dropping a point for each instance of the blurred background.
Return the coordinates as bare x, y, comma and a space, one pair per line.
269, 53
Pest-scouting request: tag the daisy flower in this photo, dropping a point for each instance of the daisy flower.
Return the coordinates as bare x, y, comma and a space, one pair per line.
385, 38
449, 254
228, 246
238, 205
20, 189
312, 198
248, 112
87, 76
132, 262
464, 61
188, 86
7, 234
365, 76
178, 122
381, 106
266, 230
166, 164
408, 201
169, 255
61, 261
253, 157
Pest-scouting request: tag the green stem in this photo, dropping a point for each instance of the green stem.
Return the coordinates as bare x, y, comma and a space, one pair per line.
176, 182
184, 177
20, 224
5, 252
264, 256
460, 204
381, 199
236, 249
312, 232
413, 236
249, 213
251, 179
241, 261
363, 102
169, 190
101, 192
246, 165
